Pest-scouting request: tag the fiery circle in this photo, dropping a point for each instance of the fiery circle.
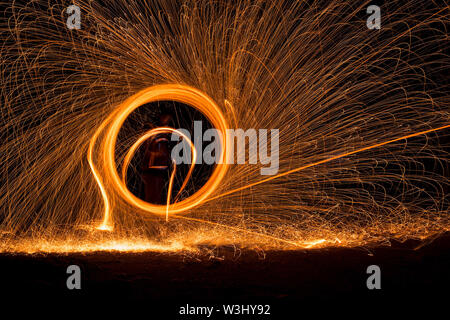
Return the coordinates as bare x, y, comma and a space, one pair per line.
173, 92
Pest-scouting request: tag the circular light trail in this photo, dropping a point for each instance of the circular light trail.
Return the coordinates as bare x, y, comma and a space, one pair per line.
109, 175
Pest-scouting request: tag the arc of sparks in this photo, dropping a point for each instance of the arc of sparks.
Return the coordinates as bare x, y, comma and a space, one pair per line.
109, 175
106, 222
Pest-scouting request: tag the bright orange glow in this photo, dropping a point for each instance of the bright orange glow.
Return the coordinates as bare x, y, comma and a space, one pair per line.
106, 223
174, 92
169, 191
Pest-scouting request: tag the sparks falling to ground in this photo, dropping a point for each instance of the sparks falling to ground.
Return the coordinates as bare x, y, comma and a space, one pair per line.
363, 116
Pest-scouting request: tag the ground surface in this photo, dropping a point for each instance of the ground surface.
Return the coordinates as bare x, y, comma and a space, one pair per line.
288, 280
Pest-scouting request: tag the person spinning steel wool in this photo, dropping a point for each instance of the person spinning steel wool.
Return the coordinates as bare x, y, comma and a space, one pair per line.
156, 164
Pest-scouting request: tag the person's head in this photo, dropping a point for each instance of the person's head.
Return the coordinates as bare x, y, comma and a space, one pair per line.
165, 119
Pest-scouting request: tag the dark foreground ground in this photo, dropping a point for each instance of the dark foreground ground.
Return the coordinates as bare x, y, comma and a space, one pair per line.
288, 281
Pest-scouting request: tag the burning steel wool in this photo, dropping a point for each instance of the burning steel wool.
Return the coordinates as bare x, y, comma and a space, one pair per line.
362, 115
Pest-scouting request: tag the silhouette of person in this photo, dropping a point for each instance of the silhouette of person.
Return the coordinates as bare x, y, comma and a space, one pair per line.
156, 164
